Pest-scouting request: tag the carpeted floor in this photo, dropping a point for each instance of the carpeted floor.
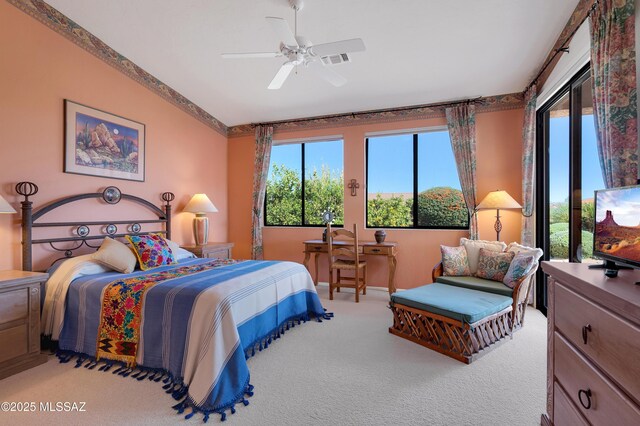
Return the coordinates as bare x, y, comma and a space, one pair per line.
347, 371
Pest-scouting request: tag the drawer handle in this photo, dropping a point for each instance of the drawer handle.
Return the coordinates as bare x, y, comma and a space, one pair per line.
587, 394
585, 329
375, 250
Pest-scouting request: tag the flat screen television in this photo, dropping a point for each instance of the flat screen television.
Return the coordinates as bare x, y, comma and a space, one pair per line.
616, 236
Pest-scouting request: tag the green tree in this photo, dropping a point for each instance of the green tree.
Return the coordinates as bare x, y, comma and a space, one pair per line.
588, 215
284, 197
394, 211
442, 207
324, 190
559, 212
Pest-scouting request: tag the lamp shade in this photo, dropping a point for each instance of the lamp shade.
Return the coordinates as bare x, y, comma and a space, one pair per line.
200, 203
5, 207
498, 200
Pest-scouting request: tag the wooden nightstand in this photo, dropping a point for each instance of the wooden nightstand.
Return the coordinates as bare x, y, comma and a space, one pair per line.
212, 250
20, 321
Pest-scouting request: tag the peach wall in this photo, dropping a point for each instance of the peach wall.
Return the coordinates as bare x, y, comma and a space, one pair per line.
38, 70
498, 166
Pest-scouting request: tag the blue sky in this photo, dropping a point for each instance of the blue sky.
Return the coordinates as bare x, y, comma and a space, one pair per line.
559, 159
390, 160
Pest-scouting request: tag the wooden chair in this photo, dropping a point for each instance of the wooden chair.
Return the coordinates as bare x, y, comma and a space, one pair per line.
346, 257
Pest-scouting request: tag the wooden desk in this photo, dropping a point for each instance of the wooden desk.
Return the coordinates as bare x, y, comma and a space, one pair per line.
388, 249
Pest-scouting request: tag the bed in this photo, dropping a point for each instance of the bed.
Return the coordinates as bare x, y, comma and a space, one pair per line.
190, 326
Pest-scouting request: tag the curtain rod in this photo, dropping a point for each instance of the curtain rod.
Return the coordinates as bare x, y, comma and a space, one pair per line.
479, 100
563, 48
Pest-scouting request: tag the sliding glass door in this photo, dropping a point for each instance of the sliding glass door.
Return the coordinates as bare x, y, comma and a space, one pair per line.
568, 174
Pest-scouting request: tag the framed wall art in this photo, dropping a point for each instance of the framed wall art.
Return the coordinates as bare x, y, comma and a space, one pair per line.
98, 143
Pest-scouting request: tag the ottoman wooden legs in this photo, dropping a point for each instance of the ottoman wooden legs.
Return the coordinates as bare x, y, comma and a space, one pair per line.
464, 342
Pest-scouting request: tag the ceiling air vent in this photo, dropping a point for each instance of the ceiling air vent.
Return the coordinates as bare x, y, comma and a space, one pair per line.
335, 59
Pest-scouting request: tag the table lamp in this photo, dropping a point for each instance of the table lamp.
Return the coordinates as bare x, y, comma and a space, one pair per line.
5, 207
200, 204
498, 199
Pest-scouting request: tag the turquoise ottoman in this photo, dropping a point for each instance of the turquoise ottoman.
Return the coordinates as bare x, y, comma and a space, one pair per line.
459, 322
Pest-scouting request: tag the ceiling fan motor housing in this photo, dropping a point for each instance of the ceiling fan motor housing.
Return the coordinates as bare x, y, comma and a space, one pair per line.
296, 4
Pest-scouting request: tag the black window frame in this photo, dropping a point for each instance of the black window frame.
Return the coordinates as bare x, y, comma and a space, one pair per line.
573, 87
302, 188
414, 208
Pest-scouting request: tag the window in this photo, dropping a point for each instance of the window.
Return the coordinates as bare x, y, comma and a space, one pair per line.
568, 158
412, 182
322, 165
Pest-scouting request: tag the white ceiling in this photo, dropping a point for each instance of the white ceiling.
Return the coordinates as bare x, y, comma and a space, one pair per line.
418, 51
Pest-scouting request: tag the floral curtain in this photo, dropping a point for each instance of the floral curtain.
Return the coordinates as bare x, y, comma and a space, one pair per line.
264, 141
528, 165
613, 72
461, 120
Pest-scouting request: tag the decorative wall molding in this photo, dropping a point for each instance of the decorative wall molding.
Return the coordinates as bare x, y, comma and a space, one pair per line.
418, 112
60, 23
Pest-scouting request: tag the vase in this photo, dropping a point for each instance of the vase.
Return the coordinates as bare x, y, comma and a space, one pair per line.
380, 236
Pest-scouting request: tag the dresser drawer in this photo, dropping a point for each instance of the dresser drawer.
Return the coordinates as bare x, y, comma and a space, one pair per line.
14, 305
575, 374
564, 412
610, 341
387, 250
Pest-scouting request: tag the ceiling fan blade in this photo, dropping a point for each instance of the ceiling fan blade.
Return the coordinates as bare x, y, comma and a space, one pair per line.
336, 47
327, 73
281, 76
283, 31
251, 55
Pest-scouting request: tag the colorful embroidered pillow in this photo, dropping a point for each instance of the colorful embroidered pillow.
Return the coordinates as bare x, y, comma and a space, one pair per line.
454, 261
520, 266
151, 250
493, 265
473, 250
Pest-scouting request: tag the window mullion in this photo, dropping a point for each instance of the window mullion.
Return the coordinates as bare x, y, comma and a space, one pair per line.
303, 178
415, 180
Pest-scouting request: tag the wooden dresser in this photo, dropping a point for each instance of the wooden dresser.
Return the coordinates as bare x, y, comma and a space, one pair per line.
212, 250
593, 358
20, 321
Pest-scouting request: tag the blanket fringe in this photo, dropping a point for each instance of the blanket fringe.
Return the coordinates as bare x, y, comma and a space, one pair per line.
175, 385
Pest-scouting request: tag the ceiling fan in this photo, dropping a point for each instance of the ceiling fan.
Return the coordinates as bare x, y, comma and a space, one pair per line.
300, 51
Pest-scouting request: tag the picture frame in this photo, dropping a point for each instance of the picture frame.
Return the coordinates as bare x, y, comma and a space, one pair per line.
98, 143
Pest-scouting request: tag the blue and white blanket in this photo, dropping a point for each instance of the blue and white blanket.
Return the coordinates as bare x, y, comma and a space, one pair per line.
196, 331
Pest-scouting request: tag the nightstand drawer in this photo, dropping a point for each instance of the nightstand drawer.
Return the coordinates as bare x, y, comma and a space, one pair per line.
15, 305
319, 248
14, 342
601, 335
219, 254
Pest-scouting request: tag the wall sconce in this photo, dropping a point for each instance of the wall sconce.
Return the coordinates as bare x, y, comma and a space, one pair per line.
200, 204
498, 199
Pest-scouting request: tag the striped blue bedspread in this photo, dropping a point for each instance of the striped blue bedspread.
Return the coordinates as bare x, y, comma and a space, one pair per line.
198, 330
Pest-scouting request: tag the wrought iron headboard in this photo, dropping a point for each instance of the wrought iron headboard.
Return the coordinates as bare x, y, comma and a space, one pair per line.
111, 195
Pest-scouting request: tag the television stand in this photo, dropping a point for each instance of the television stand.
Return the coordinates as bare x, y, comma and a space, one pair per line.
611, 268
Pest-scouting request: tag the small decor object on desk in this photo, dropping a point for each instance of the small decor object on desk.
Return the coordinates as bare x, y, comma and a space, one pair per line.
380, 236
327, 217
200, 204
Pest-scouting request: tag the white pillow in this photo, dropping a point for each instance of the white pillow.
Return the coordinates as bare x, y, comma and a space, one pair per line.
178, 252
473, 250
116, 255
534, 251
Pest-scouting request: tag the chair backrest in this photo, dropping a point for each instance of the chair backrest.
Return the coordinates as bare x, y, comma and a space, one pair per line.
350, 251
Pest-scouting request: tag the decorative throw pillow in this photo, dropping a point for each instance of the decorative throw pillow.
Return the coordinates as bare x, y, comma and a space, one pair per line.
473, 250
517, 248
454, 261
178, 252
520, 266
151, 250
493, 265
116, 255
